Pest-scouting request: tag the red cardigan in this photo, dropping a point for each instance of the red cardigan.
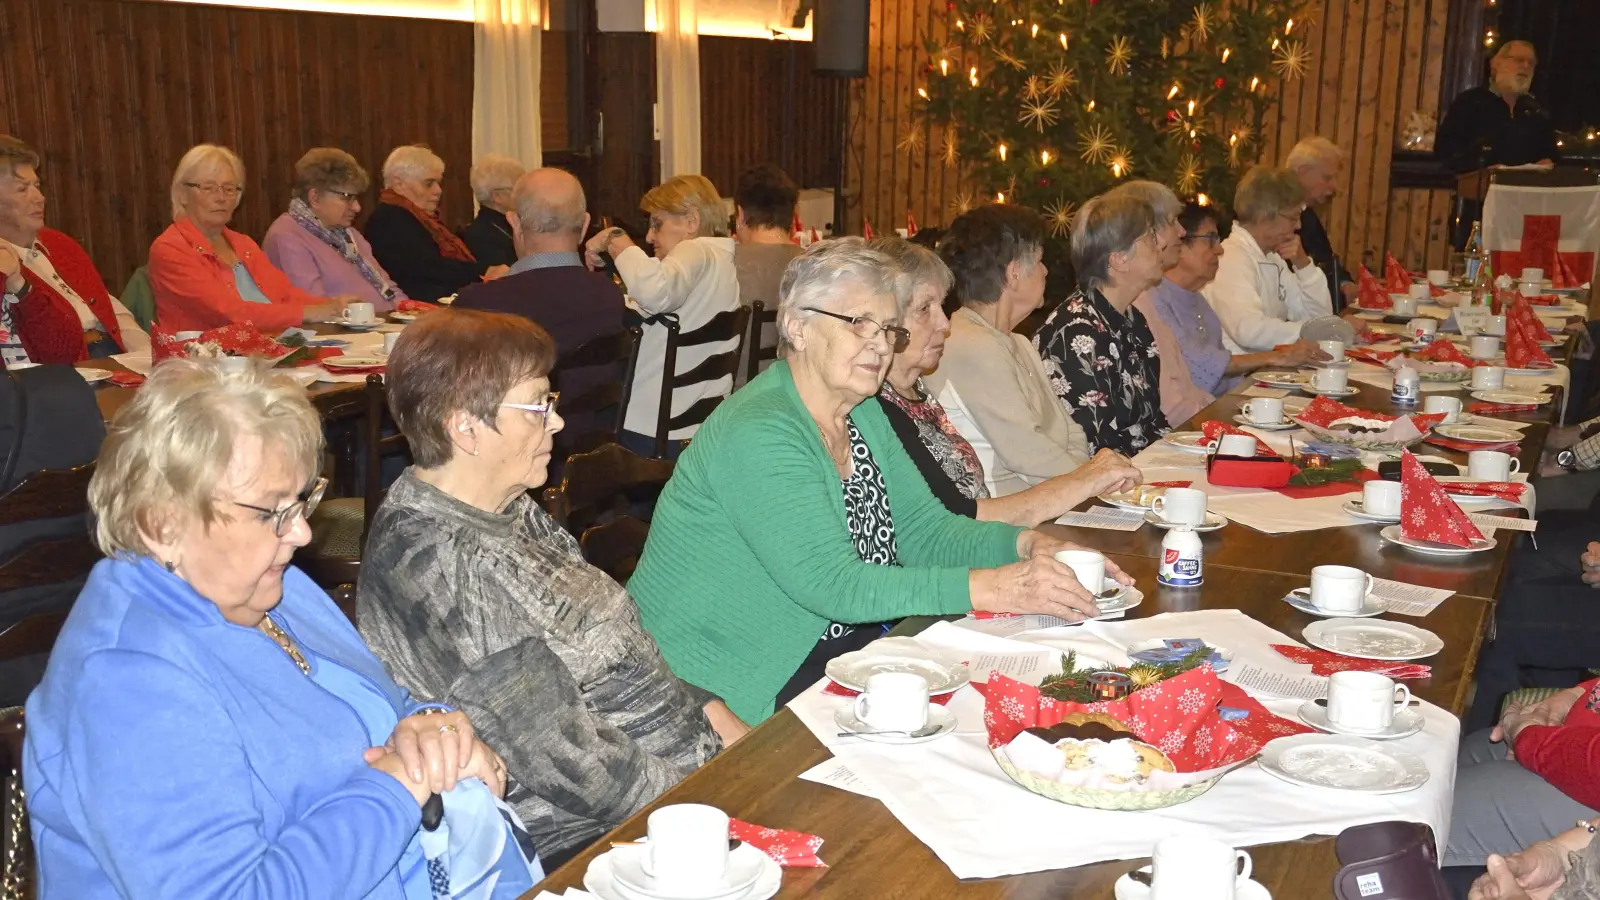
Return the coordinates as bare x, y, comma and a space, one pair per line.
1568, 755
195, 290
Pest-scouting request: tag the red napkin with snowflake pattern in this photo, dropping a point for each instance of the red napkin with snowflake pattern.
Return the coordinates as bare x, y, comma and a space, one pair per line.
1426, 512
787, 848
1504, 490
415, 306
124, 378
1395, 276
1444, 351
1326, 662
1523, 333
1369, 293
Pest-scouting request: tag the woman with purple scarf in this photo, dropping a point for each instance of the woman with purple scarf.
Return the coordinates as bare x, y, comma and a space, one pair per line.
314, 244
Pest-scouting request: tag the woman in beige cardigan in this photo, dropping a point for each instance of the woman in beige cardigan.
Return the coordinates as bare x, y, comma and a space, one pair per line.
991, 381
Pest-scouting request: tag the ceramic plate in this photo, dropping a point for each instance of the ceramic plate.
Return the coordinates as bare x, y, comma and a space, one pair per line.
1243, 889
744, 867
1125, 500
353, 362
1355, 508
944, 672
1119, 603
1515, 398
1344, 764
601, 880
845, 718
1433, 548
1282, 379
1345, 392
1406, 723
1284, 425
404, 316
353, 326
1190, 441
1373, 639
1534, 371
1212, 523
1300, 598
1478, 434
94, 375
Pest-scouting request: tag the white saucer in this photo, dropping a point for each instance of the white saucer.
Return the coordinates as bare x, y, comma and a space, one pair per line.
1406, 723
399, 316
1281, 425
1433, 548
601, 880
1119, 603
1330, 364
1300, 598
1343, 763
1282, 379
353, 362
1346, 392
943, 671
1243, 889
1513, 398
846, 719
1212, 523
1383, 639
1478, 434
94, 375
354, 326
1187, 441
745, 866
1358, 509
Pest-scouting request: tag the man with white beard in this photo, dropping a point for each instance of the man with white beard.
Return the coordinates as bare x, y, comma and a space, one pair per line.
1500, 124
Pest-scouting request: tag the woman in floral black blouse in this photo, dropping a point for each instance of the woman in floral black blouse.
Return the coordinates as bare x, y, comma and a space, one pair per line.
1098, 352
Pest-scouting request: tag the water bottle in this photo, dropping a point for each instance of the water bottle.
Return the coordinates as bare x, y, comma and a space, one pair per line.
1407, 387
1181, 564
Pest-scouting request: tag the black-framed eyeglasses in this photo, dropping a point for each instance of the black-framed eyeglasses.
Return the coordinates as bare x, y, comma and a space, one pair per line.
282, 519
346, 196
868, 328
226, 190
1213, 238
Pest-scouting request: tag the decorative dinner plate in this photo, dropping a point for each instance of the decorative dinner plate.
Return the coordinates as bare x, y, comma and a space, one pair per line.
1300, 598
1212, 523
1341, 392
1406, 723
94, 376
1343, 763
1189, 441
354, 362
943, 671
1511, 398
1280, 425
1373, 639
1477, 434
1445, 375
1282, 379
1359, 510
1434, 548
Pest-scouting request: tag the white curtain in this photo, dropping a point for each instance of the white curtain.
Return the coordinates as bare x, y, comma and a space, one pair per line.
505, 83
678, 86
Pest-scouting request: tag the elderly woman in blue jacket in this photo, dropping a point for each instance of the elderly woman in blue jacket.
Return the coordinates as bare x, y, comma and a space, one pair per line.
210, 725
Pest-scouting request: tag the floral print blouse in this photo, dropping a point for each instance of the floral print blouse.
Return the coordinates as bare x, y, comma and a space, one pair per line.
1103, 367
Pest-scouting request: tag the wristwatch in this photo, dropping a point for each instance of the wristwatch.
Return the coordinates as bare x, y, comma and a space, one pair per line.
1568, 460
612, 235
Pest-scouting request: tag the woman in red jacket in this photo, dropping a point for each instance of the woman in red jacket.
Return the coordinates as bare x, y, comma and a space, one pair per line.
204, 274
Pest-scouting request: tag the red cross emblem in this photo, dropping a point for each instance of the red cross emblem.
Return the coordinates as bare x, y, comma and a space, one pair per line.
1541, 236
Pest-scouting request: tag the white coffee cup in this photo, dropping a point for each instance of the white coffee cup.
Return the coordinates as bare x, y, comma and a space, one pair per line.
1264, 410
1088, 565
1492, 465
1340, 589
1196, 868
1330, 379
360, 312
389, 337
1533, 275
1530, 289
1381, 498
1440, 277
1187, 506
1364, 701
1421, 293
1423, 329
1334, 349
1406, 306
1483, 346
688, 845
894, 701
1495, 325
1450, 406
1489, 378
1232, 445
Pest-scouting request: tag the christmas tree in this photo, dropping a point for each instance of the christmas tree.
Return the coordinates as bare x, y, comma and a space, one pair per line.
1050, 102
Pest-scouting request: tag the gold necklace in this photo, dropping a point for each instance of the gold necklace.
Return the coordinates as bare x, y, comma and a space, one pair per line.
283, 640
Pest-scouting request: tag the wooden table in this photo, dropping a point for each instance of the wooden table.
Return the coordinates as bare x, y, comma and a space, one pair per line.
871, 855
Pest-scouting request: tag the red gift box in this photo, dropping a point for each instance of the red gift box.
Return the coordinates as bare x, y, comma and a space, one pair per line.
1241, 471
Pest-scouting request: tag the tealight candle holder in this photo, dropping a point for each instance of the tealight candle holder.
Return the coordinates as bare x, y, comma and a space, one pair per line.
1110, 685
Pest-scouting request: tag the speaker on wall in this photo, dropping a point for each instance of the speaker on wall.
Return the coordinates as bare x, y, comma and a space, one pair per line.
839, 37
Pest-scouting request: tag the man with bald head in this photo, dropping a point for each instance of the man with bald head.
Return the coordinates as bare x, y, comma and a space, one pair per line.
549, 283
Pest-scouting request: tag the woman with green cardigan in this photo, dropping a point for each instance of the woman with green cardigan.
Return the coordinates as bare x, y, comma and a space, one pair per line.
796, 525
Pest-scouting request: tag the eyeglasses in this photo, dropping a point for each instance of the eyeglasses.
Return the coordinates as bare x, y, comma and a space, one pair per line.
346, 196
283, 519
544, 409
212, 189
868, 328
1213, 238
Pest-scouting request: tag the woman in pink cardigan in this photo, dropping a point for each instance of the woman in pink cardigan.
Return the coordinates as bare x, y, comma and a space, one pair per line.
204, 274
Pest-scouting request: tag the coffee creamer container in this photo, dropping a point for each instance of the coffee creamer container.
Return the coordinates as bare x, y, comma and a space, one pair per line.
1181, 564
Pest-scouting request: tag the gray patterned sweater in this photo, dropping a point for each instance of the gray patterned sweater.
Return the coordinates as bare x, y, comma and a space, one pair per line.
499, 615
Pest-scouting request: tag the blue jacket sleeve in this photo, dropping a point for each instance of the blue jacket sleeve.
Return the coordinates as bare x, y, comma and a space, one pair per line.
169, 807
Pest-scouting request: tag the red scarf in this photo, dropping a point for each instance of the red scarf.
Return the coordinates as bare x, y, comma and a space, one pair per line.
450, 246
49, 327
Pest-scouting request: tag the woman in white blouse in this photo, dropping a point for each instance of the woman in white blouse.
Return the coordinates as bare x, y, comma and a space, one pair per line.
692, 276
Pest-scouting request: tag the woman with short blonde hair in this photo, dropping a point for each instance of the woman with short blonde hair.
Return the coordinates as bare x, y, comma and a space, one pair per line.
315, 242
693, 277
427, 260
209, 723
204, 274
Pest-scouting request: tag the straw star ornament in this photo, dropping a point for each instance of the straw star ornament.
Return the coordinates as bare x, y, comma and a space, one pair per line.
1095, 145
1290, 60
1200, 25
1188, 180
1033, 88
1062, 79
1119, 53
911, 142
1059, 216
952, 150
1038, 113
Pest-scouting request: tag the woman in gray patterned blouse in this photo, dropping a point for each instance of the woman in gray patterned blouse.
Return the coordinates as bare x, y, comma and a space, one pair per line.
472, 594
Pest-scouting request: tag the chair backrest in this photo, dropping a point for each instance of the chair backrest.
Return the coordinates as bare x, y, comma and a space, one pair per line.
140, 298
17, 881
378, 445
597, 482
724, 326
47, 494
619, 350
615, 546
1388, 861
47, 560
760, 318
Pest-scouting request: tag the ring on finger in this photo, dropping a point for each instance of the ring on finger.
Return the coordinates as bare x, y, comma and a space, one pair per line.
447, 728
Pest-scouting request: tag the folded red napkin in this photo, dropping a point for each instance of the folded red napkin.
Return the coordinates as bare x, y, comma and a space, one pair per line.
1444, 351
415, 306
1323, 412
1331, 489
237, 339
1326, 662
1395, 277
1367, 354
1524, 333
1369, 293
1505, 490
1439, 440
1480, 406
1543, 299
1436, 292
1562, 276
126, 379
787, 848
1214, 430
1426, 512
835, 689
1166, 484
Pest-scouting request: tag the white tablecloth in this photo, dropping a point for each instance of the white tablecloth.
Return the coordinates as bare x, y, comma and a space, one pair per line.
953, 796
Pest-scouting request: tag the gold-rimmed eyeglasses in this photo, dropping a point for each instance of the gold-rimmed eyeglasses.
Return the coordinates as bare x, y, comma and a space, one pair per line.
868, 328
283, 518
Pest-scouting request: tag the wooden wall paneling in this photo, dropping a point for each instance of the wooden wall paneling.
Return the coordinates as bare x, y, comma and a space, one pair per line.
1370, 207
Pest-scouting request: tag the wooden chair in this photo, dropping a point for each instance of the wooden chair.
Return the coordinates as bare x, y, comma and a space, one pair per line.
725, 326
592, 500
760, 317
620, 350
43, 495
